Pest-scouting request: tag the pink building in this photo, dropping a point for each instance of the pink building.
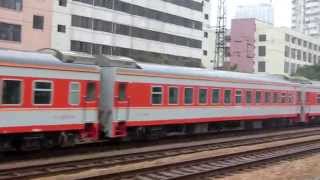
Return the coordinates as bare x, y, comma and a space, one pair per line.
242, 44
25, 25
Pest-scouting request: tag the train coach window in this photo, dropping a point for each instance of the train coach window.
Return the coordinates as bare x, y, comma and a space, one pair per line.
215, 96
258, 97
42, 92
156, 95
227, 96
188, 95
267, 97
91, 91
123, 91
283, 97
173, 95
275, 97
11, 92
203, 94
238, 97
74, 93
318, 99
248, 97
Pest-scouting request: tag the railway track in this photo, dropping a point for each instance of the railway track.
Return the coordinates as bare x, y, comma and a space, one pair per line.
210, 167
77, 165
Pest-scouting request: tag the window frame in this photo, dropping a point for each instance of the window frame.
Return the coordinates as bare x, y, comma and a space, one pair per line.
21, 92
184, 96
261, 97
236, 95
151, 97
178, 96
231, 95
207, 95
71, 91
34, 89
252, 94
219, 96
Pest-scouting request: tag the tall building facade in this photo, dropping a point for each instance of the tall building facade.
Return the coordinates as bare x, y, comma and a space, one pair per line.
161, 31
262, 12
306, 17
25, 25
258, 47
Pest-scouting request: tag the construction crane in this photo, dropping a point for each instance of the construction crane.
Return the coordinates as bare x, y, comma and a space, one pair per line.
220, 43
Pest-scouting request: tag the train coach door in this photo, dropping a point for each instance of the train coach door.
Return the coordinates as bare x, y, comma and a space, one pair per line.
122, 102
301, 99
90, 103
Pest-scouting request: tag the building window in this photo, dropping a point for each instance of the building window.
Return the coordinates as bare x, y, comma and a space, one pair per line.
74, 93
173, 95
215, 96
304, 55
315, 59
238, 97
11, 4
293, 53
286, 51
38, 22
11, 91
261, 66
227, 96
61, 28
205, 34
203, 94
262, 37
298, 54
286, 67
81, 46
63, 3
91, 91
10, 32
287, 37
262, 51
42, 92
299, 42
206, 16
305, 44
309, 57
205, 52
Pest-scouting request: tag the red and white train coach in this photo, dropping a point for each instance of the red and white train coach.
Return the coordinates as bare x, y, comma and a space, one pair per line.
42, 100
47, 100
158, 99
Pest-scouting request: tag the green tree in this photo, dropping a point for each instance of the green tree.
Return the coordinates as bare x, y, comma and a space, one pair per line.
310, 72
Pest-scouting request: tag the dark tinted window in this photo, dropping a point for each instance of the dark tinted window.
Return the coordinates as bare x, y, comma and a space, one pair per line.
203, 94
91, 91
156, 96
123, 91
11, 92
42, 93
38, 22
215, 99
188, 95
10, 32
173, 95
227, 96
11, 4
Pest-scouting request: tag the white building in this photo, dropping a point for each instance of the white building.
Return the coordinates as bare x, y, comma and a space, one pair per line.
258, 47
262, 12
162, 31
306, 17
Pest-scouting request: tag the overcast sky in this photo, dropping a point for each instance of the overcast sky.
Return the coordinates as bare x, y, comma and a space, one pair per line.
282, 10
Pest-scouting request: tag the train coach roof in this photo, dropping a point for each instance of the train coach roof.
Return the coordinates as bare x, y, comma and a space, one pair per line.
199, 72
37, 58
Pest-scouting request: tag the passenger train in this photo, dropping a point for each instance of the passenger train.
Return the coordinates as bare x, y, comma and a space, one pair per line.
53, 99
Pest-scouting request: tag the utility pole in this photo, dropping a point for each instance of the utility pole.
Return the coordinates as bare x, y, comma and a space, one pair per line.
220, 44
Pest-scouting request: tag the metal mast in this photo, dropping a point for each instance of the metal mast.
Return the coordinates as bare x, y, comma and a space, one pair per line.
219, 55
